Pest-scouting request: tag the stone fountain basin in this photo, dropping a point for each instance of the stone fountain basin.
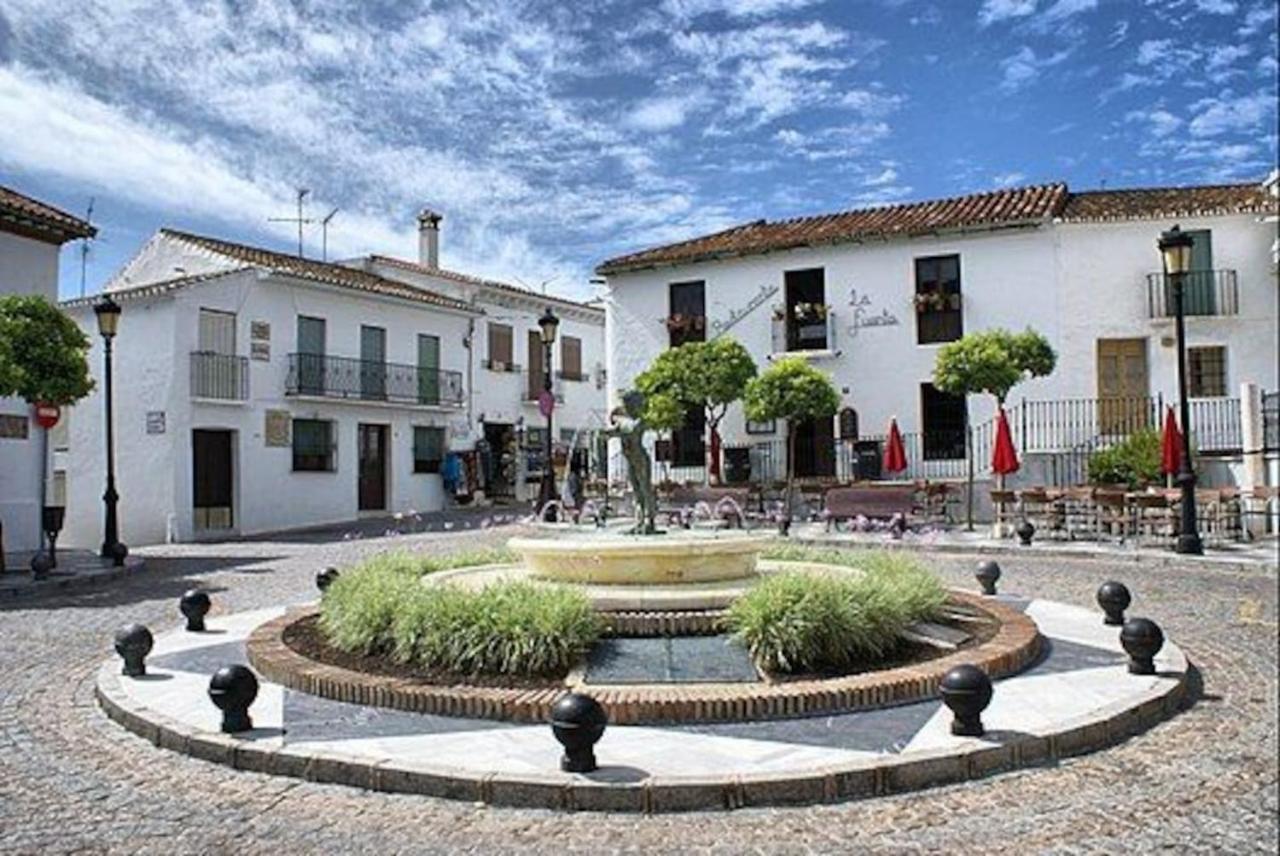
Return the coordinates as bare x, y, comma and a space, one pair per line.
687, 556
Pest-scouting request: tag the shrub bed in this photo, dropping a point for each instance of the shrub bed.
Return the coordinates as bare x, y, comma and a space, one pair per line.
511, 628
799, 622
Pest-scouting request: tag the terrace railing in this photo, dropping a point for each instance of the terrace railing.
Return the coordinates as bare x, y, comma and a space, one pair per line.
222, 377
365, 380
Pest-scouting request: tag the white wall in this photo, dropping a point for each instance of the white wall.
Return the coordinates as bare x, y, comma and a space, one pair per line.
153, 373
26, 267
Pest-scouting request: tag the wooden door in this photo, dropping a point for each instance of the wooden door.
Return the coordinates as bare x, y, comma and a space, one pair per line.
373, 362
1122, 385
372, 440
311, 348
428, 369
211, 478
534, 388
815, 449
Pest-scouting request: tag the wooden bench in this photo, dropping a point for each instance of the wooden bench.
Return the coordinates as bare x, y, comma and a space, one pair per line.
725, 503
871, 501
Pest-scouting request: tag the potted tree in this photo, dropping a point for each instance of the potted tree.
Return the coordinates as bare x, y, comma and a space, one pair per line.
42, 360
793, 390
992, 362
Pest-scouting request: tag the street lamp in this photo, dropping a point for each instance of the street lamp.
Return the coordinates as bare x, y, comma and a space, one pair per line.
1175, 251
108, 312
547, 325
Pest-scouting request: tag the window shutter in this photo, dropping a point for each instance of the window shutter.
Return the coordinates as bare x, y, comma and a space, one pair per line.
571, 357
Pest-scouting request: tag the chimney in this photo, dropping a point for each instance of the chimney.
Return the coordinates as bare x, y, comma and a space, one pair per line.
429, 238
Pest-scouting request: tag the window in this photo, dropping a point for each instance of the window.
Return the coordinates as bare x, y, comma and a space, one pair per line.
1206, 372
687, 312
688, 444
313, 445
428, 369
311, 343
939, 317
768, 426
571, 358
373, 362
1199, 292
501, 348
428, 448
806, 310
944, 418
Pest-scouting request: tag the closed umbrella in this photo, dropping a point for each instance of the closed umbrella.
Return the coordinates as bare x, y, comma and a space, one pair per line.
895, 456
1170, 445
1004, 459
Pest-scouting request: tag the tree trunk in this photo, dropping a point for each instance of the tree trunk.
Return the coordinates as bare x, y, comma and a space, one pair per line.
713, 452
791, 458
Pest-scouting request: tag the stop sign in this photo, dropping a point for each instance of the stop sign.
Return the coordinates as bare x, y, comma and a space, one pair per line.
546, 403
47, 415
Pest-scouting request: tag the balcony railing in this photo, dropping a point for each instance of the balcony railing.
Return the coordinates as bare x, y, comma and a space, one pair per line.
1204, 292
224, 377
500, 366
365, 380
813, 334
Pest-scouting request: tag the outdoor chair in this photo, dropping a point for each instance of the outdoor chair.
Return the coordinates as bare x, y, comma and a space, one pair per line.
1114, 514
1004, 504
1154, 518
1041, 509
1079, 514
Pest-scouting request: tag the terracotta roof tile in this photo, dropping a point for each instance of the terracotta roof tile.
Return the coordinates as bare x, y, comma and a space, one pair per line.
444, 273
979, 210
40, 220
318, 271
1015, 206
1164, 202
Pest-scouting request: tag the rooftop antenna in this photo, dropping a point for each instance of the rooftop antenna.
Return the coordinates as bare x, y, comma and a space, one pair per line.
300, 220
324, 235
84, 247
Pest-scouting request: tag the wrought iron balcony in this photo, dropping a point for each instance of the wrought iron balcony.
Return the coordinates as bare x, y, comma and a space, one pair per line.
1204, 292
816, 333
223, 377
500, 366
365, 380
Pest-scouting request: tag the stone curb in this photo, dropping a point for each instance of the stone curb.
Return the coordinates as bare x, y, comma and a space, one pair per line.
974, 759
74, 582
1044, 551
1015, 646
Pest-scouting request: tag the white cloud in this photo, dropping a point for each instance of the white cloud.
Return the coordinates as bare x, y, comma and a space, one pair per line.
1217, 7
688, 9
1153, 51
1256, 19
1020, 69
1000, 10
1247, 113
1008, 179
888, 175
1158, 122
1223, 56
660, 114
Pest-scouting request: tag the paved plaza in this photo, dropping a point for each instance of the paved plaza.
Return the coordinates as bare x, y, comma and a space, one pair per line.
72, 780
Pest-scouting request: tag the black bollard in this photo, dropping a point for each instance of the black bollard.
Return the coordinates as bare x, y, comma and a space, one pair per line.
988, 574
578, 722
133, 644
233, 688
325, 578
1025, 531
194, 606
118, 554
1142, 639
41, 565
1114, 599
966, 690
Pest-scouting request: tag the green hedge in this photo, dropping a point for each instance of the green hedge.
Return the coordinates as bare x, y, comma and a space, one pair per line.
509, 628
799, 622
1134, 461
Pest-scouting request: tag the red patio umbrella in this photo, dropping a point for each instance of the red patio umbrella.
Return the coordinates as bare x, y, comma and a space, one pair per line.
1170, 445
1004, 459
895, 456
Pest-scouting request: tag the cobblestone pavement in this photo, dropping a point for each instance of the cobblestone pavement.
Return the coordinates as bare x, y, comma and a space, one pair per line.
70, 780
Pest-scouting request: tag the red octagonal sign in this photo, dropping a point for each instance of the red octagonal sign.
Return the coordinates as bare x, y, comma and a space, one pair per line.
47, 415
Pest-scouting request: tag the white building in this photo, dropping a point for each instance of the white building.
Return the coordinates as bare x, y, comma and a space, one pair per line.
869, 296
31, 237
258, 391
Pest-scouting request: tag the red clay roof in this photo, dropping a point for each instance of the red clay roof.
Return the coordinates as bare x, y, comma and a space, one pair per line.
1144, 203
318, 271
1001, 208
454, 275
35, 219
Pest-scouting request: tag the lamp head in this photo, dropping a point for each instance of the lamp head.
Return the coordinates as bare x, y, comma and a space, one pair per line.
1175, 251
108, 312
548, 324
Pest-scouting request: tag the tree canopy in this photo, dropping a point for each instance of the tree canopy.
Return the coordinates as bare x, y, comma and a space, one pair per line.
42, 352
790, 389
993, 361
711, 375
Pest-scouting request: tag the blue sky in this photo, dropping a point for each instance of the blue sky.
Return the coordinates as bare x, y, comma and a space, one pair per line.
553, 135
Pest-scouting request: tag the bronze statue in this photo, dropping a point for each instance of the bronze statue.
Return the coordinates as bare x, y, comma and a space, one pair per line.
627, 424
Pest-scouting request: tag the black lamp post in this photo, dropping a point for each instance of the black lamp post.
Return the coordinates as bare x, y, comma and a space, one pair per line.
548, 324
1175, 252
108, 312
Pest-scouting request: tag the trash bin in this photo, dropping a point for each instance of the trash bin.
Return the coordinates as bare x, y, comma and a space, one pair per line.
737, 464
866, 460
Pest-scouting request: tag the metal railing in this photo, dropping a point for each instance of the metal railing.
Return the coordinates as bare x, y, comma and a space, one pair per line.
500, 366
1204, 292
224, 377
818, 334
366, 380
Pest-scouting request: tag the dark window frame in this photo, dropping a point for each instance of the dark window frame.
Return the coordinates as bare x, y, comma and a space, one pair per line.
935, 326
766, 426
1201, 360
687, 299
491, 359
423, 463
313, 461
814, 281
947, 442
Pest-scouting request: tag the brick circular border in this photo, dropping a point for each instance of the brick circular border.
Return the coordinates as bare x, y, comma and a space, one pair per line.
1015, 646
862, 779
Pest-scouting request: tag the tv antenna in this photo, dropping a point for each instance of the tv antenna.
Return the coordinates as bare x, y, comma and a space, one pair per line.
300, 219
542, 286
84, 247
324, 235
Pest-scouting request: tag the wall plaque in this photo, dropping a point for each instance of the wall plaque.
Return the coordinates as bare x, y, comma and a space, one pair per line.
276, 429
13, 427
155, 421
259, 350
259, 340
